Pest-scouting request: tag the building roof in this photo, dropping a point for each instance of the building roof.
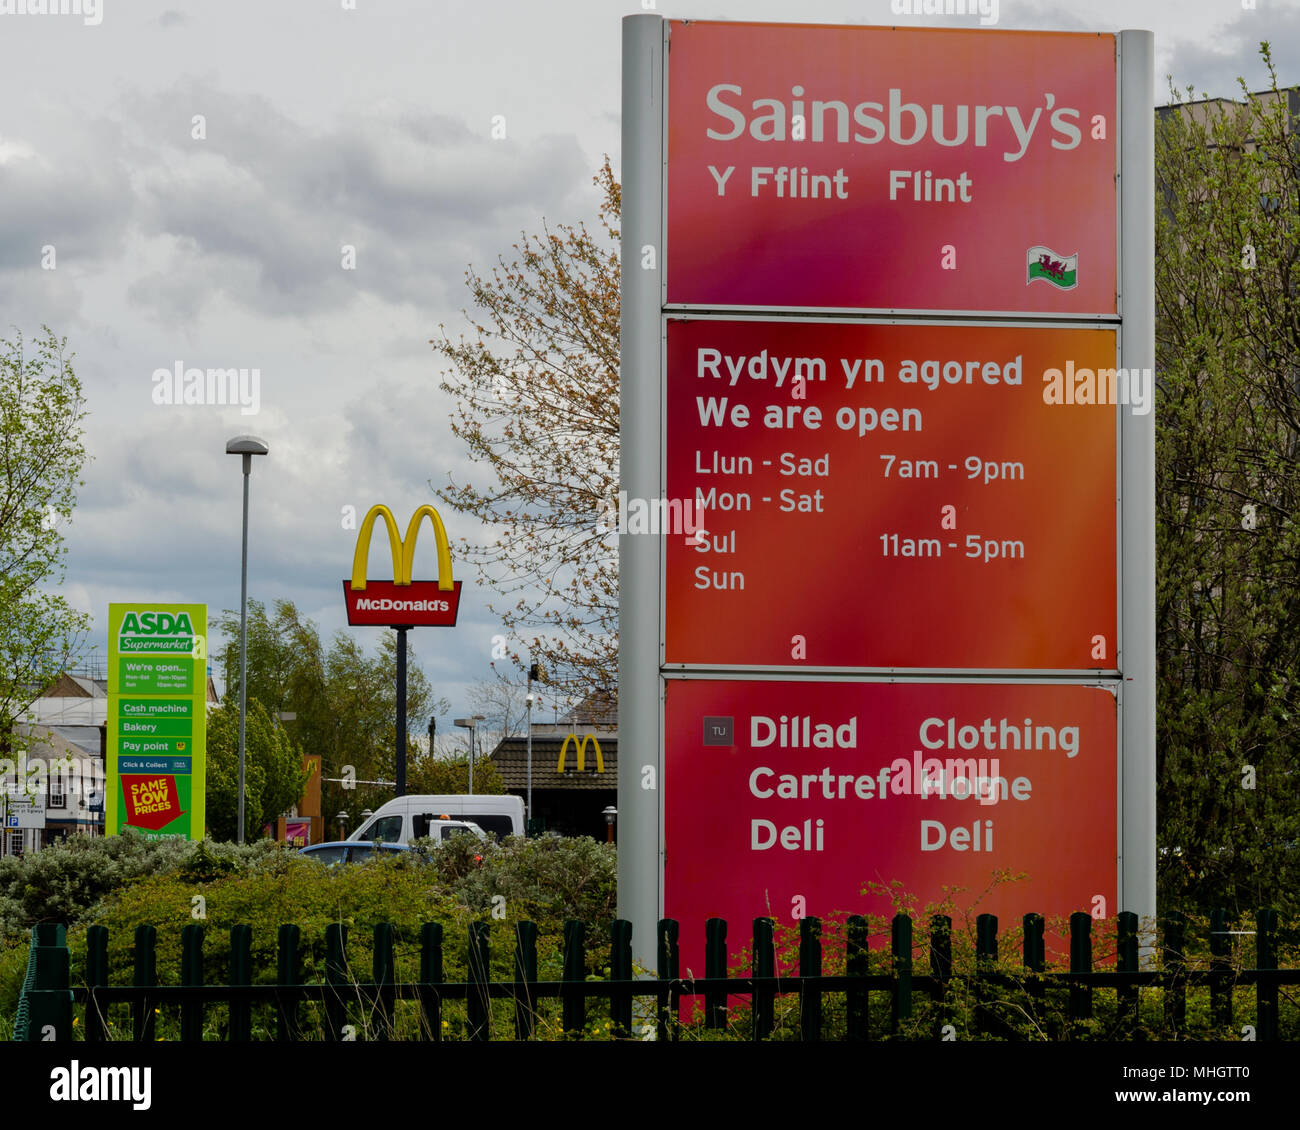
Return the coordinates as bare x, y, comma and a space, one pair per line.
599, 709
511, 759
85, 738
1260, 94
49, 744
68, 685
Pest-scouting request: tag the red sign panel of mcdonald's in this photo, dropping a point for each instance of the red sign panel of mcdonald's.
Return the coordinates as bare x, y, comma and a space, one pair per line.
402, 602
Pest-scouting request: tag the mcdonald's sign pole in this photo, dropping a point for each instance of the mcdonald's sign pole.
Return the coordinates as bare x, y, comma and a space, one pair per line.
401, 711
402, 603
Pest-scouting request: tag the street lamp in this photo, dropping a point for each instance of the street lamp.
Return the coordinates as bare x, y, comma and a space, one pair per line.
342, 818
247, 447
534, 672
611, 814
529, 699
470, 724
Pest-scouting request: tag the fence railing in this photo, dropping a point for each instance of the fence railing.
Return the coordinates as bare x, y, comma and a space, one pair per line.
47, 1004
47, 971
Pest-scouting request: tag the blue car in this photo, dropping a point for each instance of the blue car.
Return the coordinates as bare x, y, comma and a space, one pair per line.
350, 851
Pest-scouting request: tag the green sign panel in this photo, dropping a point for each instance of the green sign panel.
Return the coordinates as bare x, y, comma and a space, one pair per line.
157, 719
155, 676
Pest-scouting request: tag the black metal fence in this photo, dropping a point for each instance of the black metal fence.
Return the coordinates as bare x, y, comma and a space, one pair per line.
48, 1005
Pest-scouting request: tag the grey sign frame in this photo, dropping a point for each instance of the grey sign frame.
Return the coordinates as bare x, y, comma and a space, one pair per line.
642, 678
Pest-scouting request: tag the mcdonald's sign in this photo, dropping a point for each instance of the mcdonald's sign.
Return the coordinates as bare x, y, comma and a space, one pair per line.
402, 602
581, 746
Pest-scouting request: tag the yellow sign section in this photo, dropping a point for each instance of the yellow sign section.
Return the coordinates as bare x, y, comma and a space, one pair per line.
581, 744
403, 549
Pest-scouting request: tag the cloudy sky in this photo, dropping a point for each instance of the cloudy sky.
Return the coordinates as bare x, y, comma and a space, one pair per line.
333, 122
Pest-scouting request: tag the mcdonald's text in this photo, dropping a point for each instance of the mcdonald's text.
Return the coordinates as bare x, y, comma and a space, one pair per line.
419, 604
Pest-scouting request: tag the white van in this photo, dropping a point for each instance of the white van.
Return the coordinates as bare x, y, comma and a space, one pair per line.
408, 817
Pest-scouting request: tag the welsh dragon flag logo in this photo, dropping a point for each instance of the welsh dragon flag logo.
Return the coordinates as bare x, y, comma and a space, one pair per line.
1061, 271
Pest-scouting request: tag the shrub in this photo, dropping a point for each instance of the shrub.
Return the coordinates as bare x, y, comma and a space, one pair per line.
125, 882
63, 882
547, 878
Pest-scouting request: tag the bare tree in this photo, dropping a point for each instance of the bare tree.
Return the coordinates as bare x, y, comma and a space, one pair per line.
537, 403
501, 702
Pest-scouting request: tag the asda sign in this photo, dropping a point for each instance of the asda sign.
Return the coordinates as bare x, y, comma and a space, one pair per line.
148, 630
157, 715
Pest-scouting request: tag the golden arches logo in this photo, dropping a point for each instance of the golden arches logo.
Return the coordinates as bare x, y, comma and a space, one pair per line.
581, 744
403, 549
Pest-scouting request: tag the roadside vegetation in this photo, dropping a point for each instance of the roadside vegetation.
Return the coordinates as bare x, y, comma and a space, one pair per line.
128, 881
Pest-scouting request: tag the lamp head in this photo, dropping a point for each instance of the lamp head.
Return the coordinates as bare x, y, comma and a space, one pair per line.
246, 445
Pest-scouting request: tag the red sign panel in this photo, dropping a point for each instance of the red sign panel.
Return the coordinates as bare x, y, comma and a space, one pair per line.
788, 799
420, 604
891, 168
150, 801
892, 495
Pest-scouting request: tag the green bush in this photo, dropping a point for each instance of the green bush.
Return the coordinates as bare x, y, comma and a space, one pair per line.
547, 878
65, 880
13, 970
548, 881
264, 886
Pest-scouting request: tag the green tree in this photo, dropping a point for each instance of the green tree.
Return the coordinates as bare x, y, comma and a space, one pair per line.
537, 405
344, 699
1227, 492
440, 775
274, 776
41, 459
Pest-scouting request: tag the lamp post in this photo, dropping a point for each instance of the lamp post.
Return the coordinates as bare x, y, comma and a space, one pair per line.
529, 699
534, 672
610, 813
470, 724
247, 447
